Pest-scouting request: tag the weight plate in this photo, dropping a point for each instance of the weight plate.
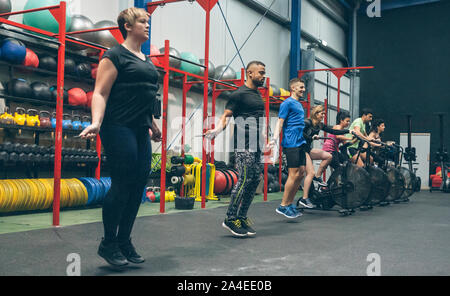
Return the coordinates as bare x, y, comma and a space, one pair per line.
83, 192
24, 196
2, 198
94, 190
73, 191
64, 196
34, 193
10, 196
89, 190
100, 188
105, 188
79, 193
45, 195
37, 193
7, 197
15, 192
29, 205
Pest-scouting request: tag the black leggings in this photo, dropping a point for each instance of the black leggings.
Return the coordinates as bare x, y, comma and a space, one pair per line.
129, 156
249, 167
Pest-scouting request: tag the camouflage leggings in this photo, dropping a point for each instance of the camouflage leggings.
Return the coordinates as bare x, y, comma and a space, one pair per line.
249, 167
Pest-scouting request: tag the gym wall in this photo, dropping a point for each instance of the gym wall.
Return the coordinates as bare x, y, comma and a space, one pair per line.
409, 49
183, 24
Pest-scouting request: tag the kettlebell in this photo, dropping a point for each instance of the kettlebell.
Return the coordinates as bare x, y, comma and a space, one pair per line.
170, 194
76, 122
44, 117
33, 120
54, 120
86, 122
20, 117
67, 121
6, 118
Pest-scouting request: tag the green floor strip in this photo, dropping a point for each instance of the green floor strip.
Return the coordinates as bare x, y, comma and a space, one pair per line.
33, 221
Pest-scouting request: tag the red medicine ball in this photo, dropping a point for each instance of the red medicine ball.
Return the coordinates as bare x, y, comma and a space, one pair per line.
31, 59
94, 73
89, 98
77, 97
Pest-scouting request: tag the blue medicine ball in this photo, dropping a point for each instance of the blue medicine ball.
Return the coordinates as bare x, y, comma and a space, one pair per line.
13, 51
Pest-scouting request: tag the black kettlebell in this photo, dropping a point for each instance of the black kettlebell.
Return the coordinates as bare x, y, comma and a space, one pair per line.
19, 88
84, 70
55, 94
41, 91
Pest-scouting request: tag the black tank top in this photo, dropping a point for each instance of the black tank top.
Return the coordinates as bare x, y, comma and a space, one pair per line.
133, 94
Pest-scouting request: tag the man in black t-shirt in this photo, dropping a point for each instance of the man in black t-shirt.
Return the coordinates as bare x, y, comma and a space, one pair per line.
247, 108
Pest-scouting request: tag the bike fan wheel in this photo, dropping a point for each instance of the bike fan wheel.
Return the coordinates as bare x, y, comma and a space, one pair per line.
355, 186
397, 184
380, 185
410, 180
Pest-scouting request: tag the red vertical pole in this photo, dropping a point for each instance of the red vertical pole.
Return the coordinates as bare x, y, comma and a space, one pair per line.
183, 124
205, 105
162, 200
59, 113
339, 95
267, 138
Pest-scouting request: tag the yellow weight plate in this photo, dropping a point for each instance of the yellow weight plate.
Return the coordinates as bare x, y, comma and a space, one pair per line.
47, 195
40, 193
8, 196
34, 193
78, 192
2, 198
65, 197
29, 201
84, 193
15, 192
70, 194
23, 196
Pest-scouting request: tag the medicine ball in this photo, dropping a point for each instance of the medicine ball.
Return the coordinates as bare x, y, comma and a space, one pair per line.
89, 98
55, 94
77, 97
94, 73
41, 91
47, 62
19, 88
31, 59
13, 51
84, 70
70, 67
5, 7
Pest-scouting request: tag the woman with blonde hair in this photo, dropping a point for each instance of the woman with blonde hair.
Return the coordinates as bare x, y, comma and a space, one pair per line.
122, 114
313, 126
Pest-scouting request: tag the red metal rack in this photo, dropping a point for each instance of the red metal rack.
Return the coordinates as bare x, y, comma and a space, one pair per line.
59, 14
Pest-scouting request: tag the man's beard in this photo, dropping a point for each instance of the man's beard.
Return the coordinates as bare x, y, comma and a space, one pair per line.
258, 83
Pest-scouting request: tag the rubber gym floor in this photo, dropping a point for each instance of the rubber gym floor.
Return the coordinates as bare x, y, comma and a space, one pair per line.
410, 239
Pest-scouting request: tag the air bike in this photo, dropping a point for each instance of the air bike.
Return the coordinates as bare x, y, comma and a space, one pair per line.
348, 187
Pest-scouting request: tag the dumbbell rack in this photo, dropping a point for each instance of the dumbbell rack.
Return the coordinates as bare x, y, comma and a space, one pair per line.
59, 14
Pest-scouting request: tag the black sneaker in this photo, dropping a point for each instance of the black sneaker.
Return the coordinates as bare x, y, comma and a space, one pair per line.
130, 253
235, 227
364, 208
319, 181
246, 222
306, 203
112, 254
